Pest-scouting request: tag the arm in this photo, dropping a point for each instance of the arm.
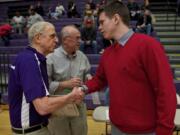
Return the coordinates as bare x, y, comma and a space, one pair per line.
71, 83
99, 80
40, 18
159, 74
53, 85
29, 22
34, 89
46, 105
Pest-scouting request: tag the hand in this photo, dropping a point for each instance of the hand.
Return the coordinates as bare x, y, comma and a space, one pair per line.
76, 96
78, 101
89, 77
73, 82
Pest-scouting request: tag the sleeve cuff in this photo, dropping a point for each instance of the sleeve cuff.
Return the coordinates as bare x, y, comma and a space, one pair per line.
84, 88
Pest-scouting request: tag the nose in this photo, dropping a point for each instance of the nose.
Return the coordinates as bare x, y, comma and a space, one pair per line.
79, 41
56, 39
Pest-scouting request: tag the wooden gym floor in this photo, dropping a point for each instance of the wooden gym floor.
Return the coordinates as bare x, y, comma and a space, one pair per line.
94, 128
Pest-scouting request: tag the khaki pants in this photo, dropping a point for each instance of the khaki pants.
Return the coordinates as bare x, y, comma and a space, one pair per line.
42, 131
69, 125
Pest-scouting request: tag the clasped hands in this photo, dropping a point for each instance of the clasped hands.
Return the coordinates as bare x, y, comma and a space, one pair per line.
77, 95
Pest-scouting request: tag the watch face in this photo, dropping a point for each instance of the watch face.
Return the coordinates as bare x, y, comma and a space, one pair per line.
81, 88
84, 88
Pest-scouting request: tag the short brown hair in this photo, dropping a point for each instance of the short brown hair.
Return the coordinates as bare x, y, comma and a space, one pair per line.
116, 7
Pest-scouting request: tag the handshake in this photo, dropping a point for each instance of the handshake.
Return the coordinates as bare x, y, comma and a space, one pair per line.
76, 95
72, 99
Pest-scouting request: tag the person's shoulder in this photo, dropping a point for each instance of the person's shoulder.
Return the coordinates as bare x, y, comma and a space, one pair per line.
81, 54
140, 35
146, 41
25, 56
14, 17
56, 53
38, 15
25, 53
144, 38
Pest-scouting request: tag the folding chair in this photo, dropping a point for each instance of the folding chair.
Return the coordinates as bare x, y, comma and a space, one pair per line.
177, 121
101, 114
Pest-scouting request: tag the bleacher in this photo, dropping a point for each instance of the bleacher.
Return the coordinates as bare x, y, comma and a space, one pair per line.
19, 42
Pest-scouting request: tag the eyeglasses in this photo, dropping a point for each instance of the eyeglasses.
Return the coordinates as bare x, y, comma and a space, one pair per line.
76, 38
53, 35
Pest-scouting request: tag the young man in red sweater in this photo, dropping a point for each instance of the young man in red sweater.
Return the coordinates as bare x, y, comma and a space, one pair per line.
136, 69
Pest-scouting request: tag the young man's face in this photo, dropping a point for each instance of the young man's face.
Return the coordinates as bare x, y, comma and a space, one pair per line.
106, 26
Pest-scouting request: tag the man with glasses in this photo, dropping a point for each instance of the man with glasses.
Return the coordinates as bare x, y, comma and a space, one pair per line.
67, 68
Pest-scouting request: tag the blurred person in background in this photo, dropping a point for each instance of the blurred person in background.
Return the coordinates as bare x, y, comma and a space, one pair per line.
18, 22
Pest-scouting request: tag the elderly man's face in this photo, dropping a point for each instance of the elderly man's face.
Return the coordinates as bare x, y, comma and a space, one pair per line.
72, 42
48, 39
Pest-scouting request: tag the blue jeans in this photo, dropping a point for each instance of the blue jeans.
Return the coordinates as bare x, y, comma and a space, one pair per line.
116, 131
147, 29
93, 45
6, 40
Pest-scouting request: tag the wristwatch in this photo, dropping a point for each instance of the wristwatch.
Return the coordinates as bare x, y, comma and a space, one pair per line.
84, 88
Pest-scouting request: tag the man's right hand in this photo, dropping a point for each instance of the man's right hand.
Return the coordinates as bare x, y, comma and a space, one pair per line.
73, 82
76, 96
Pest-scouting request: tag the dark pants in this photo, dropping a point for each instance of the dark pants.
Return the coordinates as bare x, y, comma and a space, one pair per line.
6, 40
93, 45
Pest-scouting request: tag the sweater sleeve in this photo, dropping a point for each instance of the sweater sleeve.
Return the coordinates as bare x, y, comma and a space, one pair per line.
99, 80
157, 69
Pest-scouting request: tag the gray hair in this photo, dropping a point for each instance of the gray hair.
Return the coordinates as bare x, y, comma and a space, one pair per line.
67, 30
37, 28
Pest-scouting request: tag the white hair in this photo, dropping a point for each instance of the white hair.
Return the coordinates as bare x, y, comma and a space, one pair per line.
37, 28
67, 30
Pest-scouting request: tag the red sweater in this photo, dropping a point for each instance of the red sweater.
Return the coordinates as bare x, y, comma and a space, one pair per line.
142, 92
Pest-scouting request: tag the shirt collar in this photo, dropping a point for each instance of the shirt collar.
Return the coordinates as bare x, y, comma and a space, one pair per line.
123, 40
66, 54
40, 56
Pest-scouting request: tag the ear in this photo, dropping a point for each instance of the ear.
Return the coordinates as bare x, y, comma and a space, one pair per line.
116, 18
64, 40
37, 38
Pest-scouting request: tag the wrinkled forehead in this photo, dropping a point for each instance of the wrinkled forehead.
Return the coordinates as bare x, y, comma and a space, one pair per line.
75, 32
50, 28
50, 31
